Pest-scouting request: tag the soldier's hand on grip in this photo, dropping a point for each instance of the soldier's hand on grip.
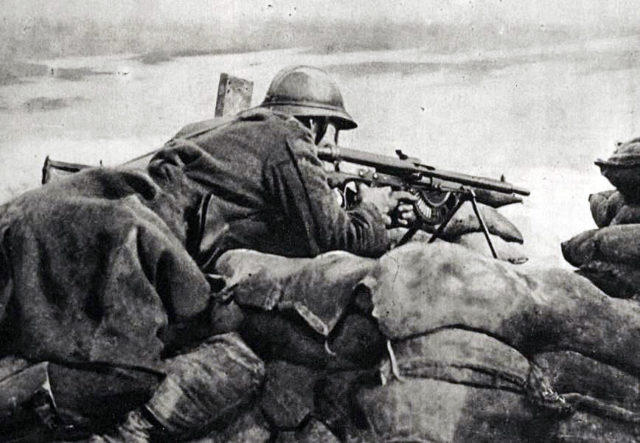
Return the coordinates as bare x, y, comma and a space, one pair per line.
396, 207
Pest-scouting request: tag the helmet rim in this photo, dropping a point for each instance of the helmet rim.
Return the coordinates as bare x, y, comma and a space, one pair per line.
341, 119
290, 93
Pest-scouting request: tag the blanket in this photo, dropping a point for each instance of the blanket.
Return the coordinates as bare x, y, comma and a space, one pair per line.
93, 268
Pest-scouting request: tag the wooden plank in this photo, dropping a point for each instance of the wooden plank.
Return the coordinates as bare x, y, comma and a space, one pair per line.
234, 95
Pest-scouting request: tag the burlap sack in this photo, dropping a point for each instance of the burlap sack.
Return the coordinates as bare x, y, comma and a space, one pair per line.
313, 431
622, 169
615, 279
356, 341
208, 384
616, 244
604, 206
508, 251
457, 386
571, 372
612, 208
287, 398
419, 288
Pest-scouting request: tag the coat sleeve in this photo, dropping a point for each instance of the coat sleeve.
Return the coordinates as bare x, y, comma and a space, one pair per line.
298, 185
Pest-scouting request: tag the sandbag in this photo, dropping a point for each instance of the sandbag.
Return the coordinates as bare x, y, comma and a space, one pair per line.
419, 288
604, 206
203, 386
615, 279
460, 356
249, 426
438, 411
335, 401
507, 251
457, 386
70, 402
11, 364
583, 427
628, 214
622, 169
27, 405
288, 394
226, 316
612, 208
580, 248
617, 244
318, 289
356, 341
465, 221
314, 431
278, 337
571, 372
94, 397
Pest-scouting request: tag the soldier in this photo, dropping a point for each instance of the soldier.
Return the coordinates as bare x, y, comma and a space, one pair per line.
102, 273
265, 189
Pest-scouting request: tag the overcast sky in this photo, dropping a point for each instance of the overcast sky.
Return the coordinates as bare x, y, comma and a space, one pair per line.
543, 12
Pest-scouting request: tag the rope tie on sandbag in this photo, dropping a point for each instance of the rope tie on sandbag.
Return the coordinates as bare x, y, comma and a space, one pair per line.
328, 350
451, 371
394, 363
540, 393
601, 408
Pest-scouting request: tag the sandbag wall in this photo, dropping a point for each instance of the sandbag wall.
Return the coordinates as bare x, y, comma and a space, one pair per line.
431, 343
610, 255
303, 318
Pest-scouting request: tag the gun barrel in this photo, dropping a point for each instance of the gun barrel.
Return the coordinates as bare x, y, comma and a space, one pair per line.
391, 165
477, 182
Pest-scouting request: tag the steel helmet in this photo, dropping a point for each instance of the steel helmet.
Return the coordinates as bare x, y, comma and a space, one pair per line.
305, 91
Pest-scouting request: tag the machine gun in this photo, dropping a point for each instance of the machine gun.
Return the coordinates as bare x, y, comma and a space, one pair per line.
440, 193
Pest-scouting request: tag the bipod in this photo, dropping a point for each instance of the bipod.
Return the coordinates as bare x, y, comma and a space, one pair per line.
467, 195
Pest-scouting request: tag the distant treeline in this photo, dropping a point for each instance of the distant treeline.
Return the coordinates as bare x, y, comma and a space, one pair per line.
48, 38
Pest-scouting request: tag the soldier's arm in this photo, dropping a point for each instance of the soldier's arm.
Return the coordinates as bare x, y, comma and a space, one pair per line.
298, 185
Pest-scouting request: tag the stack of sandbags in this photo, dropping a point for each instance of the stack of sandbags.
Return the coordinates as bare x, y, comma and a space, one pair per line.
464, 229
209, 389
502, 378
302, 310
608, 256
432, 342
302, 317
472, 349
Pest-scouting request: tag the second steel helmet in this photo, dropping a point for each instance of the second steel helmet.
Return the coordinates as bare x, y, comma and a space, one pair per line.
305, 91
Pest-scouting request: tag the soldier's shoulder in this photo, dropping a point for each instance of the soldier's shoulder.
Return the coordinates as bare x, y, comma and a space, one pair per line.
275, 120
197, 128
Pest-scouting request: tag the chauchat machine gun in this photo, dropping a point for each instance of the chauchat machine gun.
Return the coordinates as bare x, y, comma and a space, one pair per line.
440, 193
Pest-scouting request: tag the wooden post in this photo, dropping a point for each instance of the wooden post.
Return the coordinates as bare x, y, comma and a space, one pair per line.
234, 95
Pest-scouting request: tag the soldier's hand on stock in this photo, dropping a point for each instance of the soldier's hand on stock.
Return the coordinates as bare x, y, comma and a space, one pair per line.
396, 207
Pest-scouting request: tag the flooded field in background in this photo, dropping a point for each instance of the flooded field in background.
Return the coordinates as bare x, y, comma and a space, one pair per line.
539, 115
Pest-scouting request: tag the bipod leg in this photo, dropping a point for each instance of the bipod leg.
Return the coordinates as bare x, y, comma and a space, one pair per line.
485, 231
410, 233
446, 221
